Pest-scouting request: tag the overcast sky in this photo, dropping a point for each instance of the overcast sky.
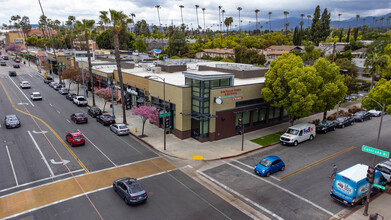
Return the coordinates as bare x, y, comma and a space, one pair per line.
170, 11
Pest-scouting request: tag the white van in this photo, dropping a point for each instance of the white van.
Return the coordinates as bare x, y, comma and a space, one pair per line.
298, 133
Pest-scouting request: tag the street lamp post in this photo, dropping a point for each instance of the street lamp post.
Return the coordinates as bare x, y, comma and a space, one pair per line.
112, 85
377, 146
164, 100
82, 76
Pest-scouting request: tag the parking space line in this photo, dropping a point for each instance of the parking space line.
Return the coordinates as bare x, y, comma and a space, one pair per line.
68, 121
40, 180
240, 195
12, 166
97, 148
42, 156
22, 92
285, 190
246, 165
317, 162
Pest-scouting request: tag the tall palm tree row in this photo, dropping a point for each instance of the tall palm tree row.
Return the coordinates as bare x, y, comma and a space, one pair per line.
70, 23
270, 21
181, 7
203, 14
256, 18
120, 21
286, 24
239, 9
85, 27
220, 17
339, 20
132, 16
301, 22
228, 21
357, 17
198, 23
158, 15
309, 17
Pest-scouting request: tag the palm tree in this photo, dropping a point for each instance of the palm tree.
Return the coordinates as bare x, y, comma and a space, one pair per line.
86, 26
70, 22
220, 17
239, 9
203, 13
381, 21
357, 17
158, 16
228, 21
270, 21
308, 16
120, 21
181, 7
132, 15
302, 22
198, 23
256, 18
286, 21
388, 20
375, 63
363, 21
104, 17
339, 20
374, 21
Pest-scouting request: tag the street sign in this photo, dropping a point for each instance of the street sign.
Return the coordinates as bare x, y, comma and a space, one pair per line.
162, 115
379, 186
375, 151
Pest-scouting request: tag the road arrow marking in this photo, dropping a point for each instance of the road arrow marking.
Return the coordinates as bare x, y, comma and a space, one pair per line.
63, 162
39, 132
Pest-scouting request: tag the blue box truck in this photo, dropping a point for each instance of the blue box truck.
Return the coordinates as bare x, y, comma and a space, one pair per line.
350, 186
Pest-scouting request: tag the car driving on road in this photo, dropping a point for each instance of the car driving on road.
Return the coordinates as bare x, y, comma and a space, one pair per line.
16, 65
63, 91
325, 126
25, 85
11, 73
36, 96
79, 118
11, 121
119, 129
269, 165
130, 190
105, 120
75, 138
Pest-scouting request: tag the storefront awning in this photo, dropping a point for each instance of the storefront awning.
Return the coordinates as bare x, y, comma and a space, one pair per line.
198, 116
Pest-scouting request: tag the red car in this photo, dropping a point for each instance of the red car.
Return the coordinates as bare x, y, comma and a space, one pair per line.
17, 61
75, 138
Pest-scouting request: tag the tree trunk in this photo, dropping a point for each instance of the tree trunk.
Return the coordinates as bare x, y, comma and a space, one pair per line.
70, 82
142, 130
291, 120
90, 69
324, 115
104, 106
121, 84
78, 89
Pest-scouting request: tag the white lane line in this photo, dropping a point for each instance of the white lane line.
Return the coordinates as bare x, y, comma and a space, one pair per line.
74, 197
22, 92
246, 165
110, 168
97, 148
12, 166
285, 190
68, 121
58, 111
43, 157
50, 104
240, 195
36, 181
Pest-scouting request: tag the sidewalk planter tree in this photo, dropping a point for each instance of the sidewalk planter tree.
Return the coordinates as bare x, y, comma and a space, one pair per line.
70, 74
290, 85
79, 78
145, 113
332, 88
105, 93
16, 48
382, 94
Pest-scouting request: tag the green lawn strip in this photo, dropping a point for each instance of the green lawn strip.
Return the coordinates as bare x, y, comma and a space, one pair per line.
268, 139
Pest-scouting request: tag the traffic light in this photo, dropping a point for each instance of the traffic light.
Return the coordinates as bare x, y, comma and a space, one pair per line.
240, 124
167, 122
370, 175
128, 104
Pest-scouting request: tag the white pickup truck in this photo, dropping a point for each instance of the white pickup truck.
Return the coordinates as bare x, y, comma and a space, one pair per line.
80, 100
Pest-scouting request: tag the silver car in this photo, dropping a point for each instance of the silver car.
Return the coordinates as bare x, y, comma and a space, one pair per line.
36, 96
11, 121
119, 129
385, 168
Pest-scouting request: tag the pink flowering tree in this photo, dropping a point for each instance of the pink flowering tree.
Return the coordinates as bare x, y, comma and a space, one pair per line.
146, 112
16, 48
105, 93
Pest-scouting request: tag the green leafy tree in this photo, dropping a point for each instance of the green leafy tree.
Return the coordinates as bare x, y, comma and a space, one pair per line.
141, 46
177, 44
382, 94
104, 39
332, 88
32, 41
320, 27
290, 85
349, 72
142, 28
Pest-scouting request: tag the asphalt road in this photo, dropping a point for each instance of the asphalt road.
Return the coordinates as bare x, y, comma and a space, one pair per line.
302, 190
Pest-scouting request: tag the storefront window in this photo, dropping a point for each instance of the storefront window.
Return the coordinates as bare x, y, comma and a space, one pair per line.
224, 82
274, 113
215, 83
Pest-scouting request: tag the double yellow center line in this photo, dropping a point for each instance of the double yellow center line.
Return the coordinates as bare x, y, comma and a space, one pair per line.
50, 128
317, 162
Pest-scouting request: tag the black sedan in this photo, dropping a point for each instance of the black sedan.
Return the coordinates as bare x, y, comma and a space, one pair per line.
94, 112
343, 121
105, 120
325, 126
48, 80
11, 121
130, 190
362, 116
70, 96
79, 118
